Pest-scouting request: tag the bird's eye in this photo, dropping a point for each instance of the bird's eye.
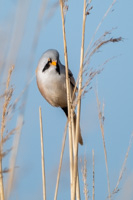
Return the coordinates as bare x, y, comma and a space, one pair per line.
49, 60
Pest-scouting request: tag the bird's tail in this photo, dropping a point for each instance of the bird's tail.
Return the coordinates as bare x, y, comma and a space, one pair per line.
80, 140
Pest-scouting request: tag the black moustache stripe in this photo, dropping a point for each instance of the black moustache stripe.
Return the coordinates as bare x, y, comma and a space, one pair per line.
58, 68
46, 66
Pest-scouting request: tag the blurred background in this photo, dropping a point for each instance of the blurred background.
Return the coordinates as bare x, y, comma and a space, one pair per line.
27, 29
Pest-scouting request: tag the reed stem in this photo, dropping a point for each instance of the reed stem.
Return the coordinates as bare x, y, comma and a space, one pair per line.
68, 96
79, 104
42, 156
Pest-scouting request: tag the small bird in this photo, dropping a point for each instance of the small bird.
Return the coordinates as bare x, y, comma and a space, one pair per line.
51, 81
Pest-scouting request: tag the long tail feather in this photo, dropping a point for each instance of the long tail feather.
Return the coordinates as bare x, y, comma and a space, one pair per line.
80, 140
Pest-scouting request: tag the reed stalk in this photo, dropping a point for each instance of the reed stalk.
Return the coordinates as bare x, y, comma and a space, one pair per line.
60, 164
79, 104
14, 156
101, 121
93, 183
123, 166
8, 95
1, 181
84, 177
68, 95
42, 156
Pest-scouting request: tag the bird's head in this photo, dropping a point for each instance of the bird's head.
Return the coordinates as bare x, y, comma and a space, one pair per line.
50, 58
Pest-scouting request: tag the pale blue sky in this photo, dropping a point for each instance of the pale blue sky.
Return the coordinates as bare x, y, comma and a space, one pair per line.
115, 89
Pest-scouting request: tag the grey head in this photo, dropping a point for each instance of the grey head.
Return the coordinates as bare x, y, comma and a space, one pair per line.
51, 53
50, 56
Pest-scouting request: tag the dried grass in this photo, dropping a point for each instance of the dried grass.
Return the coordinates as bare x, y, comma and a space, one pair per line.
13, 156
82, 90
84, 177
100, 23
101, 121
8, 96
5, 115
123, 166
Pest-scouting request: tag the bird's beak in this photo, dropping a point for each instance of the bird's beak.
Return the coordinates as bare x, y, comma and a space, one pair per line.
54, 63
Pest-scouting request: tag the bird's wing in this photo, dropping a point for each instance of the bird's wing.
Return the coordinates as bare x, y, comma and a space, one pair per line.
72, 80
70, 75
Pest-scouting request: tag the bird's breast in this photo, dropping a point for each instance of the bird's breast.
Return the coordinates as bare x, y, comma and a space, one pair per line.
53, 88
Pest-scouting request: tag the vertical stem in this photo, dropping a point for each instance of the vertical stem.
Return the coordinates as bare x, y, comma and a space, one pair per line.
68, 94
42, 156
8, 95
101, 120
77, 188
123, 165
93, 185
1, 181
73, 140
14, 156
79, 103
60, 165
1, 173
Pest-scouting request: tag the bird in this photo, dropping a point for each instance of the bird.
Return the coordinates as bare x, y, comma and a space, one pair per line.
51, 82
